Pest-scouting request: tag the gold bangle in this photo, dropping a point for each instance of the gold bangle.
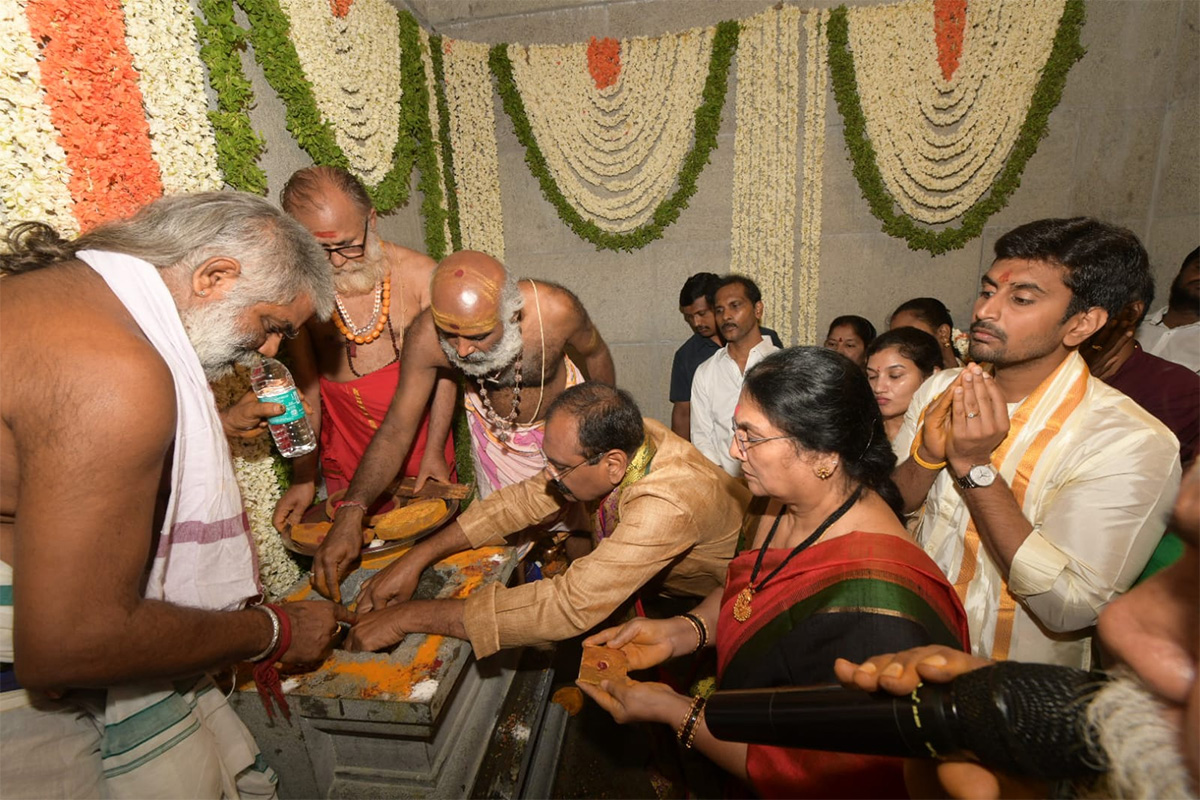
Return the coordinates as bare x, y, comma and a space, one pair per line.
689, 719
917, 456
694, 723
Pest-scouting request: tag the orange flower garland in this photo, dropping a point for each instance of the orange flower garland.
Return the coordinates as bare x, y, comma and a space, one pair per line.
340, 8
949, 22
96, 105
604, 61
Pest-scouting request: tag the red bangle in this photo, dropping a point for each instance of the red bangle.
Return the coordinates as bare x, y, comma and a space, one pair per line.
266, 677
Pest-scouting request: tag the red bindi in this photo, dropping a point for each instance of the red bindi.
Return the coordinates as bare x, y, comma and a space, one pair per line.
458, 273
1004, 276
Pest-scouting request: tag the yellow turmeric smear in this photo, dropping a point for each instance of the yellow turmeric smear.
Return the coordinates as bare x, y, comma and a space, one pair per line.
380, 676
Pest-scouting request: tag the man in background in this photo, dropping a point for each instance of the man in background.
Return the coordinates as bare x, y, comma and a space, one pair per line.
1173, 332
738, 308
704, 341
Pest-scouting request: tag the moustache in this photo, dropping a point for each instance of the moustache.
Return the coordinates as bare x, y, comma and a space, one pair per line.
991, 330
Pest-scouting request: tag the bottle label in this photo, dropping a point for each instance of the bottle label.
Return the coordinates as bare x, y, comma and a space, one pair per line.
293, 409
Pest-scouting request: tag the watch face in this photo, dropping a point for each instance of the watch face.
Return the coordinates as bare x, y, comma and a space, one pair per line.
982, 475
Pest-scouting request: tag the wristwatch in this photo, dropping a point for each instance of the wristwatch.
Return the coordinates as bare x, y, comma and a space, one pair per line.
977, 477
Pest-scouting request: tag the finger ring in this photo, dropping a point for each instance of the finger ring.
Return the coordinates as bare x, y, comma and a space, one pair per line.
972, 415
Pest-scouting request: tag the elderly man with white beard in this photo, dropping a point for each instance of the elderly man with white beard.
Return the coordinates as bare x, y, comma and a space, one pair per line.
349, 365
126, 562
1146, 719
509, 339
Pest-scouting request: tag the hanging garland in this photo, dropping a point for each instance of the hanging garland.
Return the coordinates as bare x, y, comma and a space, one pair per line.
472, 133
706, 125
1064, 52
352, 63
238, 146
172, 84
448, 236
812, 182
276, 55
33, 165
763, 233
96, 106
449, 181
419, 128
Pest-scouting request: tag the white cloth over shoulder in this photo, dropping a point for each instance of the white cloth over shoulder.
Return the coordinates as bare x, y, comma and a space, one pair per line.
206, 556
1098, 495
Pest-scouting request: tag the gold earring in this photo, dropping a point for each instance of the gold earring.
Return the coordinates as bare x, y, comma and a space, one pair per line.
823, 472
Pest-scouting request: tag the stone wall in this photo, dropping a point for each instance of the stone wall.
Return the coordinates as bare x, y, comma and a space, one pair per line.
1122, 146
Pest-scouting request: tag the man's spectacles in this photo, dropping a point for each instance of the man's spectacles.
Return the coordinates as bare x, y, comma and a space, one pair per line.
745, 441
350, 251
556, 477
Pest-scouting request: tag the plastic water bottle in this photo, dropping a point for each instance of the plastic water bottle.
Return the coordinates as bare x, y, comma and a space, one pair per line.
273, 383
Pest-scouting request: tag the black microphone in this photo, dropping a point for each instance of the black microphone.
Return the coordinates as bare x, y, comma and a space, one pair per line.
1024, 719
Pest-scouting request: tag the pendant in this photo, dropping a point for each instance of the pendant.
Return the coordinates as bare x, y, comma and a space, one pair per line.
741, 604
352, 348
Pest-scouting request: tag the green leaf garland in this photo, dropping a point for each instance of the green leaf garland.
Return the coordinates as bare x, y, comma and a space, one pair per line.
238, 146
1063, 55
443, 106
415, 126
707, 125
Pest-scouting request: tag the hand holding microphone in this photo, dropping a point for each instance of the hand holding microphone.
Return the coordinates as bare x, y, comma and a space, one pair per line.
1025, 719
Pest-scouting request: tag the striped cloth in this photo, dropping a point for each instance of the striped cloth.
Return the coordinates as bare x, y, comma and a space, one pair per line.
153, 738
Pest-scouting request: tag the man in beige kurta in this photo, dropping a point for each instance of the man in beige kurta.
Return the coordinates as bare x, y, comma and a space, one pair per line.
662, 515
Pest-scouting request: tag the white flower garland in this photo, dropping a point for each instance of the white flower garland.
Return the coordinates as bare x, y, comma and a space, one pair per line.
615, 153
254, 466
353, 64
33, 166
161, 36
435, 123
764, 163
940, 144
469, 97
816, 90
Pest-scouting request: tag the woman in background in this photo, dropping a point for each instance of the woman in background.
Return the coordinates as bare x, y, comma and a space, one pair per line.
832, 573
930, 315
898, 362
850, 335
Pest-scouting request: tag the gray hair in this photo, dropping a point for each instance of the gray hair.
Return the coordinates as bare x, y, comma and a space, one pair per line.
280, 259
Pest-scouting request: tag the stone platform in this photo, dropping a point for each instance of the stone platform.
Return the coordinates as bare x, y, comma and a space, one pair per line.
416, 722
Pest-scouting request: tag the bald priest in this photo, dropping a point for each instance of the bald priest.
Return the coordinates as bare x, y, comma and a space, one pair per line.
663, 517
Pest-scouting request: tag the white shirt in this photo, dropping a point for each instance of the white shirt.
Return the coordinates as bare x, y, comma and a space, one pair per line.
715, 390
1098, 497
1181, 345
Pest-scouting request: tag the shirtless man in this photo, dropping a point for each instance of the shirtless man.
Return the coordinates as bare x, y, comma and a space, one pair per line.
352, 361
125, 560
508, 338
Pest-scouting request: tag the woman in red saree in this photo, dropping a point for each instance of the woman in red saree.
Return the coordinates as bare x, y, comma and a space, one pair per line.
832, 574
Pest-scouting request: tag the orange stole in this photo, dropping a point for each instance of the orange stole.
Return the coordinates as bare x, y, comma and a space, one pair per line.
1019, 485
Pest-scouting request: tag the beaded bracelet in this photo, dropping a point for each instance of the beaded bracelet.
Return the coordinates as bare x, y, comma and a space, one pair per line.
701, 630
275, 630
917, 457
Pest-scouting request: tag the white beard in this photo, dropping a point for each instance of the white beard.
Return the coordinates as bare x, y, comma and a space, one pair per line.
505, 352
1143, 749
359, 276
483, 363
213, 332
